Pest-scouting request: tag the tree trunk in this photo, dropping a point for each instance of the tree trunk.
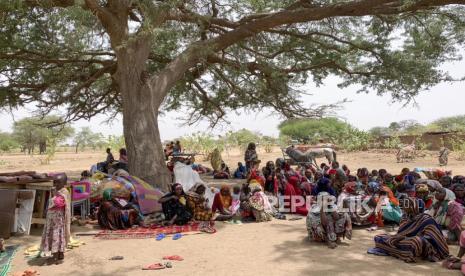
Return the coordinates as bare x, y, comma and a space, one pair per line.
77, 147
141, 102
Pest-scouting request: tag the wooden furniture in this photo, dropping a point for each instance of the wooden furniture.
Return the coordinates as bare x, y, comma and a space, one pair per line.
41, 187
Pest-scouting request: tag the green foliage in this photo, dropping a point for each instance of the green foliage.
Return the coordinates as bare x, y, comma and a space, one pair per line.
454, 123
355, 140
40, 132
392, 143
202, 143
328, 129
61, 56
7, 142
380, 131
87, 138
312, 130
243, 137
115, 142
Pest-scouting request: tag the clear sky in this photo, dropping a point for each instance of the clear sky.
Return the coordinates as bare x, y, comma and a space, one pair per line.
364, 111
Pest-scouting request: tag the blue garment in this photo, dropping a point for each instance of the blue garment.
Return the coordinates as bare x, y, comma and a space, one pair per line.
323, 185
240, 172
409, 183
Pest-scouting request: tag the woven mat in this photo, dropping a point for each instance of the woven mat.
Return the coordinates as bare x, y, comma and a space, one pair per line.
6, 258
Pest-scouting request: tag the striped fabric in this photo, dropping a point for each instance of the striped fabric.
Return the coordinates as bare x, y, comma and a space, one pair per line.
420, 237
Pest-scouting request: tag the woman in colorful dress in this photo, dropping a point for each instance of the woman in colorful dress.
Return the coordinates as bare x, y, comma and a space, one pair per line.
326, 223
259, 204
222, 201
250, 156
56, 234
292, 195
459, 191
113, 214
419, 236
447, 213
174, 206
269, 173
198, 205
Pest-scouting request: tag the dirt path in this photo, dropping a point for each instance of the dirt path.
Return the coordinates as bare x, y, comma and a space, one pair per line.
274, 248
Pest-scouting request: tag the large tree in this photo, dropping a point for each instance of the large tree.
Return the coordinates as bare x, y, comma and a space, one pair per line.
208, 57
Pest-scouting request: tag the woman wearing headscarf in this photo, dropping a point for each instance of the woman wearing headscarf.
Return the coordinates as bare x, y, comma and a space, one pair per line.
323, 185
459, 191
269, 173
419, 236
113, 215
174, 206
389, 204
422, 193
255, 174
293, 197
259, 204
198, 205
326, 222
222, 201
447, 212
250, 156
375, 215
56, 234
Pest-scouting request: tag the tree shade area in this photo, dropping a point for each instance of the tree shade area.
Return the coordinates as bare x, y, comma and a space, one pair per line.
211, 57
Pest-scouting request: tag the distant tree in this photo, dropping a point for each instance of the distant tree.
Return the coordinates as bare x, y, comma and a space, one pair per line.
406, 127
242, 138
394, 127
454, 123
7, 142
311, 130
87, 138
380, 131
35, 132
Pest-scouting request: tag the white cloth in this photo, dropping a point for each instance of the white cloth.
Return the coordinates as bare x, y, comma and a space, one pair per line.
186, 176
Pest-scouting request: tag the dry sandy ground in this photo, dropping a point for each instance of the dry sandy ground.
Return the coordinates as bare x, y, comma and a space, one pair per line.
273, 248
75, 163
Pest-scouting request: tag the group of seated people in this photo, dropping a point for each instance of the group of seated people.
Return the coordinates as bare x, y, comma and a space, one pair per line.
111, 165
172, 149
429, 211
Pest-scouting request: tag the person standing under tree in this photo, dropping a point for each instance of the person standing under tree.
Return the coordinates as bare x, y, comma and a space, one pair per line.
250, 156
56, 234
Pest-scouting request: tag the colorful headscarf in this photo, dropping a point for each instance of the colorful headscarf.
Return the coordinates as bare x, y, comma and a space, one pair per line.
226, 200
350, 187
421, 188
374, 187
107, 194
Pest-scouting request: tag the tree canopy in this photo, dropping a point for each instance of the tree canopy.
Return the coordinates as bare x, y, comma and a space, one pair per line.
33, 132
65, 57
412, 127
211, 57
86, 138
454, 123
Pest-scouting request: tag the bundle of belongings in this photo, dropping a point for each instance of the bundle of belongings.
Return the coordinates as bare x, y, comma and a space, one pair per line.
121, 201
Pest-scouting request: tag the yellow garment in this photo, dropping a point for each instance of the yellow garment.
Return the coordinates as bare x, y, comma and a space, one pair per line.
35, 250
216, 160
98, 176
